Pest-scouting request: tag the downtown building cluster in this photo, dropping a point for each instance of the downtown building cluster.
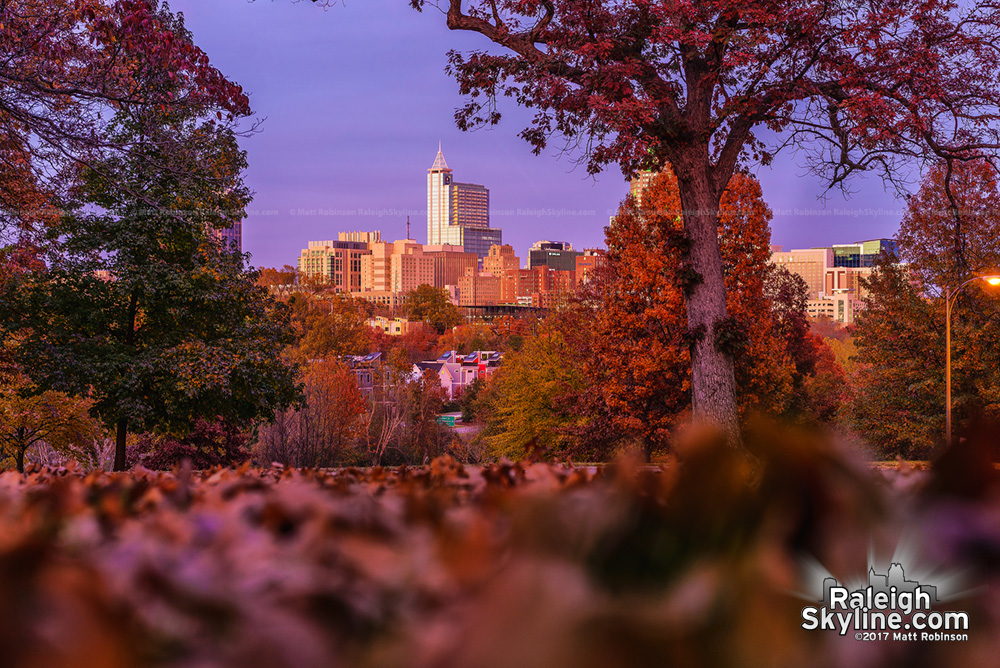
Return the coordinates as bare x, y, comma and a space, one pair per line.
833, 275
463, 255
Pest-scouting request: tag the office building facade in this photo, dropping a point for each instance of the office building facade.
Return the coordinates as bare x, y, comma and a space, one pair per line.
863, 254
450, 263
834, 275
558, 255
500, 259
458, 213
338, 263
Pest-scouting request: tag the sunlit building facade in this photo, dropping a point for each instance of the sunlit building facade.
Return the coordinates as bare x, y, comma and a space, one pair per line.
458, 213
338, 263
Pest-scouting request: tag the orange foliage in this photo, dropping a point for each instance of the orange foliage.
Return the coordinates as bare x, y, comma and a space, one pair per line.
638, 348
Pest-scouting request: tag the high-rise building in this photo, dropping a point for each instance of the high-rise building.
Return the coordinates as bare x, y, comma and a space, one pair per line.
360, 237
336, 262
231, 237
478, 289
554, 254
639, 183
458, 213
399, 266
834, 274
541, 286
450, 263
410, 270
862, 253
809, 263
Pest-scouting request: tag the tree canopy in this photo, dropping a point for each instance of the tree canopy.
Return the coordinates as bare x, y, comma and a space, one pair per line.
69, 68
945, 239
29, 417
138, 305
432, 306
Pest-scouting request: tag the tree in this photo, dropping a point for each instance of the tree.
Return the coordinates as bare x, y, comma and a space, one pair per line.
530, 405
899, 407
333, 412
29, 417
327, 429
635, 339
432, 306
331, 327
468, 338
471, 399
946, 239
139, 307
424, 399
68, 66
210, 443
387, 405
281, 283
689, 84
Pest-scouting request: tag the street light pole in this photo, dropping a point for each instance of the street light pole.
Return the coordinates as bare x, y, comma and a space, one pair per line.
950, 296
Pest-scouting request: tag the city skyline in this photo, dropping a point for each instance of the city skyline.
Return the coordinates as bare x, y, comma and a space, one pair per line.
355, 101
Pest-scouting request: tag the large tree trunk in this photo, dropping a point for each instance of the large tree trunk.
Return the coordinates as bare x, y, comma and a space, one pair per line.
120, 436
713, 382
22, 447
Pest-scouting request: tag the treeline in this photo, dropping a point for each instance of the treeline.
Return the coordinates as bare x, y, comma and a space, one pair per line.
611, 372
948, 238
122, 314
130, 334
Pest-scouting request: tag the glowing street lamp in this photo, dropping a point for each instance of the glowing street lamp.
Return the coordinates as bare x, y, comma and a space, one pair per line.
950, 296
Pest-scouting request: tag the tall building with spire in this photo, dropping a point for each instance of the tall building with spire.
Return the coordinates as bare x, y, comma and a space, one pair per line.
458, 213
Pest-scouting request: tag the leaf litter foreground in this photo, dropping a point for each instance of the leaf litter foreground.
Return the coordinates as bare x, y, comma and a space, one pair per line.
698, 563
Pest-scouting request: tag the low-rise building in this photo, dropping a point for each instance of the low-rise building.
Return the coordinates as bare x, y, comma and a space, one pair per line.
457, 372
366, 370
393, 326
478, 289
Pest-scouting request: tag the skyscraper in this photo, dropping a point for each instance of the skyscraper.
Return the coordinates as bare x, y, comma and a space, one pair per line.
231, 237
458, 213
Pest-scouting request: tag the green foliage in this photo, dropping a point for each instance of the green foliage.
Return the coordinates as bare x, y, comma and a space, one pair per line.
432, 306
139, 307
470, 401
527, 401
946, 240
899, 407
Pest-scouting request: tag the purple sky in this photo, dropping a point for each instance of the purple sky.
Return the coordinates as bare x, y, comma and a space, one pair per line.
356, 99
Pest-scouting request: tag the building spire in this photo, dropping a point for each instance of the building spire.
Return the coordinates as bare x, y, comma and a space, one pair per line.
439, 163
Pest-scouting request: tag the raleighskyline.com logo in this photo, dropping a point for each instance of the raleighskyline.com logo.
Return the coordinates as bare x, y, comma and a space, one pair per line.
889, 608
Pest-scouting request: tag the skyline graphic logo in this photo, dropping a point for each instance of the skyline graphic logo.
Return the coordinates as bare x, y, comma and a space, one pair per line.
890, 607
